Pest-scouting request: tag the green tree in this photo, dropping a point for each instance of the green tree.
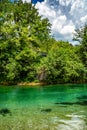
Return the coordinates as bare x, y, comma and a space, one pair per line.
21, 32
81, 36
61, 65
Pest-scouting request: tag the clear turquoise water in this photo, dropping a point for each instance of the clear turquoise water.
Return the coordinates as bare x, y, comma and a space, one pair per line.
60, 107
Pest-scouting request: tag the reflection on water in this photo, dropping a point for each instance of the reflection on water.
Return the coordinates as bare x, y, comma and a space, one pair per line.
59, 107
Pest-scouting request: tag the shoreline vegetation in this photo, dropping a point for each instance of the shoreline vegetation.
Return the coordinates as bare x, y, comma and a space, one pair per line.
30, 55
35, 84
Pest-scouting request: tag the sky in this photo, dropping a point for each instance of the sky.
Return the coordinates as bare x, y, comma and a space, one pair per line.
35, 1
64, 15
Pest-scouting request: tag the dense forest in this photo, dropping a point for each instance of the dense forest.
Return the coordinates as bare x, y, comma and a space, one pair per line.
28, 52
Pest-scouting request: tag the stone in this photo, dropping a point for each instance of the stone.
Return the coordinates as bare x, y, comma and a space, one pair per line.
5, 111
46, 110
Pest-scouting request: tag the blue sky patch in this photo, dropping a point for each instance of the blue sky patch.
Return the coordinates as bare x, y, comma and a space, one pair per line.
35, 1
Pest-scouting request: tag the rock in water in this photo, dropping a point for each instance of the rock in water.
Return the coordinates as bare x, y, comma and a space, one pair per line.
46, 110
5, 111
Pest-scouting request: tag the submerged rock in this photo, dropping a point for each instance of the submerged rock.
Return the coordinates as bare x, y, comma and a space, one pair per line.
5, 111
82, 97
46, 110
64, 103
83, 103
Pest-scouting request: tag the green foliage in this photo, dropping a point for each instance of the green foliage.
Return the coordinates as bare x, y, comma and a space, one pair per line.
61, 65
21, 32
81, 36
29, 53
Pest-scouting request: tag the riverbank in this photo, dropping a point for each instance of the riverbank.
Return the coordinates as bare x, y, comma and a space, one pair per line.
29, 84
34, 84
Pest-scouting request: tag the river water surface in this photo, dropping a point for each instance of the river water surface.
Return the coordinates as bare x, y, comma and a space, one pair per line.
60, 107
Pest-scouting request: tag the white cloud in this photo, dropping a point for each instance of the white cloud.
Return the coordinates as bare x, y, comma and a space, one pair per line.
58, 23
45, 10
84, 19
77, 9
68, 15
67, 30
27, 1
64, 2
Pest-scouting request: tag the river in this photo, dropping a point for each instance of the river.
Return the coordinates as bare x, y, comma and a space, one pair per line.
54, 107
